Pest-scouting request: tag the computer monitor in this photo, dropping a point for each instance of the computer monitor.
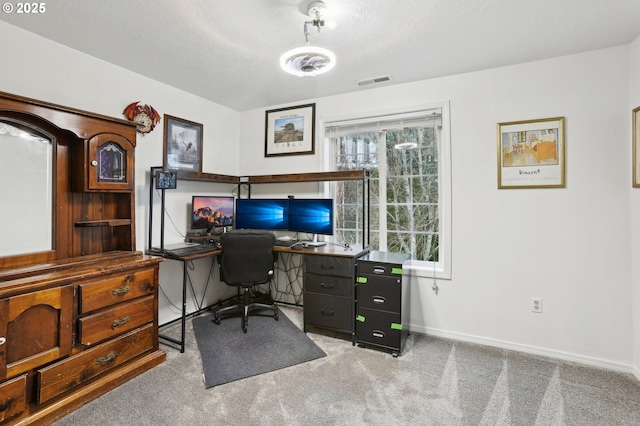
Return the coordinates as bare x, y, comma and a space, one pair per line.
210, 211
262, 213
313, 216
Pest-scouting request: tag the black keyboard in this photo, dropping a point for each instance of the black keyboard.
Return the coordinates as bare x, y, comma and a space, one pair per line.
286, 243
187, 251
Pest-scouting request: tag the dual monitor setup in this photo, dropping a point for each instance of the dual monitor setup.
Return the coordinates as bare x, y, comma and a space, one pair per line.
305, 215
302, 215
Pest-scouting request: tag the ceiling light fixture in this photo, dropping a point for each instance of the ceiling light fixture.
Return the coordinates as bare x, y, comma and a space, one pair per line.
309, 61
409, 141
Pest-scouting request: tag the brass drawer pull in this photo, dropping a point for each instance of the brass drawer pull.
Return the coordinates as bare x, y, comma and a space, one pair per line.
107, 358
120, 322
121, 290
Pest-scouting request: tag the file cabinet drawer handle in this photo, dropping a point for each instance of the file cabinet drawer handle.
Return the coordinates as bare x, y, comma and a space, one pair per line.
325, 285
378, 270
378, 333
378, 299
327, 313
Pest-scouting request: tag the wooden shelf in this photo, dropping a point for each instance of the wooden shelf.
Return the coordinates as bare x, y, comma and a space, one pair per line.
103, 222
282, 178
207, 177
308, 177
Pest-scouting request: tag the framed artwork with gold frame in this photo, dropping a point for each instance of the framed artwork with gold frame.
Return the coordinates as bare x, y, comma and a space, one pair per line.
531, 154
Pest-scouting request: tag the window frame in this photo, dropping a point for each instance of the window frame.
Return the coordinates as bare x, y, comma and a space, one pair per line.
428, 269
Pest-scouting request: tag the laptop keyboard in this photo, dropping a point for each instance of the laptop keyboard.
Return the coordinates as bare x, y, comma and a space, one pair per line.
286, 243
187, 251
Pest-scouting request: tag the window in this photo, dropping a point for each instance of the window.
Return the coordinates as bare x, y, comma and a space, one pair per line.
407, 156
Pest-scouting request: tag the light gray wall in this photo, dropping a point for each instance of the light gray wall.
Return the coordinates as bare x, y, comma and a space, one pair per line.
569, 246
634, 102
41, 69
572, 246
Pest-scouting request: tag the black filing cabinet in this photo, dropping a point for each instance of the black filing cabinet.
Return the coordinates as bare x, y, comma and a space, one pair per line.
382, 310
329, 292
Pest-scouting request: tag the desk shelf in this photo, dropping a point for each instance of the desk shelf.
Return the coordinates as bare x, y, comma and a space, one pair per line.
103, 222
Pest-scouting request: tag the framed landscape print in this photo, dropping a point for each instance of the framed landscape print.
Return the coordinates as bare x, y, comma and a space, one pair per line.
290, 131
531, 154
182, 144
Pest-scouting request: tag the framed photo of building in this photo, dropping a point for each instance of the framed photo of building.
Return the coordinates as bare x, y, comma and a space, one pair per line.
182, 148
290, 131
531, 154
636, 147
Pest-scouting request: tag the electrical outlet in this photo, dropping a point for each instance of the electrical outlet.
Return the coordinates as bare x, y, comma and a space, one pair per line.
536, 304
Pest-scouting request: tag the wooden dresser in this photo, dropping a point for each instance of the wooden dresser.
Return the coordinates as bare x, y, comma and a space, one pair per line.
78, 307
73, 331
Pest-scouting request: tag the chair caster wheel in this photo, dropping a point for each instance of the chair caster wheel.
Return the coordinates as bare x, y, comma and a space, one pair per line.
275, 315
216, 319
244, 328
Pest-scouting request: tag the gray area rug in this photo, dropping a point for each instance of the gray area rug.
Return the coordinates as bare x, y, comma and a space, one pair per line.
229, 354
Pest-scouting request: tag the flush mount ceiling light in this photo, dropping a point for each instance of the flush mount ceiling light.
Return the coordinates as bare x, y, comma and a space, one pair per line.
309, 61
410, 141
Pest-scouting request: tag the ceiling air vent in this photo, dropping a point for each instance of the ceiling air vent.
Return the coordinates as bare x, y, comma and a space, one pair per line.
373, 80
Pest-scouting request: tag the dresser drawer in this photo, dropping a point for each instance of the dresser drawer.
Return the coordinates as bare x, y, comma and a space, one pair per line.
116, 289
378, 327
78, 369
13, 397
329, 265
328, 311
380, 292
124, 317
341, 286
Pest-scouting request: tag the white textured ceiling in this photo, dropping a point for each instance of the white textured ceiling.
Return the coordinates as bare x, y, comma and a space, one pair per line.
228, 50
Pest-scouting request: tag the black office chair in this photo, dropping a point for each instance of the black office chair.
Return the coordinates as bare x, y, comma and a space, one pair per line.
247, 260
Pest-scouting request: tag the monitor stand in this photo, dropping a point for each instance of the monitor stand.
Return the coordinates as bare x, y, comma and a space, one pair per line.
314, 242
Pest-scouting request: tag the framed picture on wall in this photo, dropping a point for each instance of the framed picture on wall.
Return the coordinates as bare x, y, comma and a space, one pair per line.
531, 154
182, 149
636, 147
290, 131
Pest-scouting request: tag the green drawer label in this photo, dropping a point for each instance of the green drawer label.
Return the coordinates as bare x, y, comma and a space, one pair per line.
396, 271
396, 326
362, 280
360, 318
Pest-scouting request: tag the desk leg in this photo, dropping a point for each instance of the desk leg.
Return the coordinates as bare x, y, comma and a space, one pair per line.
183, 319
184, 305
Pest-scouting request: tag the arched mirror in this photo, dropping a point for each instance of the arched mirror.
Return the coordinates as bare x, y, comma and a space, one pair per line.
26, 188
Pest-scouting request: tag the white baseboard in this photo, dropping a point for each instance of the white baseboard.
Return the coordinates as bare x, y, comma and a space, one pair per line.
636, 372
534, 350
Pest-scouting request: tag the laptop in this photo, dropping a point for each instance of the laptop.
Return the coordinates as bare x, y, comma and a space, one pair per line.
174, 246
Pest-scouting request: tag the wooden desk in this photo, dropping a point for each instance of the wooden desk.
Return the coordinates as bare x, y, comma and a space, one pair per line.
185, 278
328, 281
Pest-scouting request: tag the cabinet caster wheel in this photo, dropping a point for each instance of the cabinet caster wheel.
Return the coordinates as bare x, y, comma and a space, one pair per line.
395, 355
216, 319
276, 316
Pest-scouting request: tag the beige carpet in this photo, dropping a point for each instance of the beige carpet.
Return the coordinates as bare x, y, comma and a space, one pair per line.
434, 382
